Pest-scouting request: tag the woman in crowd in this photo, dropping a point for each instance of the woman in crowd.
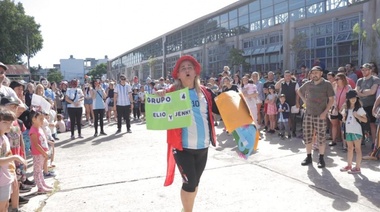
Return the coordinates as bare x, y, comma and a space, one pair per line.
109, 102
74, 98
260, 97
63, 87
88, 103
98, 95
58, 97
189, 152
228, 86
341, 87
29, 93
237, 81
250, 93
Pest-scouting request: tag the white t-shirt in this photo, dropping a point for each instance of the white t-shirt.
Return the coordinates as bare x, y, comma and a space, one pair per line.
71, 94
6, 177
353, 126
7, 91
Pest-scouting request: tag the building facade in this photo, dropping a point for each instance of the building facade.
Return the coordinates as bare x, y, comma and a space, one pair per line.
273, 35
77, 68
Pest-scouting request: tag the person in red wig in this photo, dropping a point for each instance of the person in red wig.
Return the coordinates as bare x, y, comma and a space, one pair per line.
188, 147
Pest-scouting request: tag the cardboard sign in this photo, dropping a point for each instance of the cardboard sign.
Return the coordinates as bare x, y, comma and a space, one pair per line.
168, 112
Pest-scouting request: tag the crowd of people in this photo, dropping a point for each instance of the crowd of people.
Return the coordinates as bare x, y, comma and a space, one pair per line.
341, 106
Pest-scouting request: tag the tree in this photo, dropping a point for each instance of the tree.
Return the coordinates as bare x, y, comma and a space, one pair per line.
236, 58
98, 71
19, 33
298, 48
34, 73
54, 75
371, 41
151, 63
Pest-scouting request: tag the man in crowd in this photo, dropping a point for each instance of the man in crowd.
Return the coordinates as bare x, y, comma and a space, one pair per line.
289, 88
350, 72
320, 98
123, 103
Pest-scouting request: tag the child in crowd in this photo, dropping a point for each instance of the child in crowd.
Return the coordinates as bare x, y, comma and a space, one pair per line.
283, 117
50, 140
8, 183
271, 108
142, 94
352, 116
136, 104
52, 119
250, 88
39, 150
60, 125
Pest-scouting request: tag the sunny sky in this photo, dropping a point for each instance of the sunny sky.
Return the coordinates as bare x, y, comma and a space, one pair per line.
93, 28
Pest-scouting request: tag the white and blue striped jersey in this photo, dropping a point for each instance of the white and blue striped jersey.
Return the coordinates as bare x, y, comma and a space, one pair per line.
197, 136
123, 92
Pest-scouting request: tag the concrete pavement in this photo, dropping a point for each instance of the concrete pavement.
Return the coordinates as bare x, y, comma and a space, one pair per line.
126, 172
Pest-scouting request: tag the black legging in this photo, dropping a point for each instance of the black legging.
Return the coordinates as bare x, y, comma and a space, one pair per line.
191, 164
99, 114
123, 112
75, 114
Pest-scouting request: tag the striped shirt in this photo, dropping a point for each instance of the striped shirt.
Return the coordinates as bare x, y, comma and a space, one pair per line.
197, 135
123, 92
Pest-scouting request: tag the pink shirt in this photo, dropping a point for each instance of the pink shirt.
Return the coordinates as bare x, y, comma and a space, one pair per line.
6, 177
42, 141
340, 96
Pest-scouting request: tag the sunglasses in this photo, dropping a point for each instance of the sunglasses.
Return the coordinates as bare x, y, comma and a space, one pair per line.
122, 79
336, 79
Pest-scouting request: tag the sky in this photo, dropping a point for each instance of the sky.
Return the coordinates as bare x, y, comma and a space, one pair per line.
94, 28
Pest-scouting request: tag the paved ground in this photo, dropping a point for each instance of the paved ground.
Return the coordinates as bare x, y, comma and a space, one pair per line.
125, 172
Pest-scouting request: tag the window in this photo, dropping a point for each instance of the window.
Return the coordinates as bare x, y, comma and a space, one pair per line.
281, 18
344, 25
233, 14
296, 4
266, 3
281, 8
243, 20
256, 25
320, 42
267, 12
314, 9
254, 6
224, 17
297, 14
243, 10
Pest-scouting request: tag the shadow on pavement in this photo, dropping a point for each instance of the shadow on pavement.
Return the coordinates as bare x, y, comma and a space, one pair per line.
328, 186
368, 189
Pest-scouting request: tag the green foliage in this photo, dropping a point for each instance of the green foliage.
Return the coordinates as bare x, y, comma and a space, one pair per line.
54, 75
98, 71
357, 30
299, 47
34, 73
236, 58
376, 27
16, 31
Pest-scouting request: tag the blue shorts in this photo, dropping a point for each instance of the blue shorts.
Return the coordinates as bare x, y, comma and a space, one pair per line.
353, 137
88, 101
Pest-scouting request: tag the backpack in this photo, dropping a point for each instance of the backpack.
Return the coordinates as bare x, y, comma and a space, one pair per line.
365, 125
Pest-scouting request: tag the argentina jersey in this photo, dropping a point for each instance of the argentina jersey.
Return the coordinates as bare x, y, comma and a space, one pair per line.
197, 136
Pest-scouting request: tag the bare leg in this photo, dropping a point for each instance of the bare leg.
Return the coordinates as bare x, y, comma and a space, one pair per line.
187, 199
15, 194
350, 153
358, 150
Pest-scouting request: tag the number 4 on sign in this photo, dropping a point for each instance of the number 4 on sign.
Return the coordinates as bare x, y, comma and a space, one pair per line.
183, 96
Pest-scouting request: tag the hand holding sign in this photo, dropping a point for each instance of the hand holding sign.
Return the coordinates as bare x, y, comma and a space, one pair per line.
168, 110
